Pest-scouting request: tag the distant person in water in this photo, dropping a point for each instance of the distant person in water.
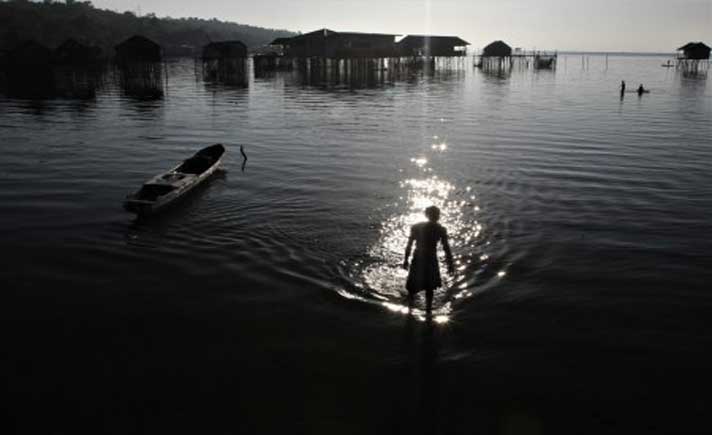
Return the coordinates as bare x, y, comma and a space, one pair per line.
641, 89
622, 87
424, 271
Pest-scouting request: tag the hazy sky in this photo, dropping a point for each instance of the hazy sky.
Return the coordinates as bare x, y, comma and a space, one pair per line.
612, 25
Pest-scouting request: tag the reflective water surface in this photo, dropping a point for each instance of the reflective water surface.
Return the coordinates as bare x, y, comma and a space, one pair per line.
579, 222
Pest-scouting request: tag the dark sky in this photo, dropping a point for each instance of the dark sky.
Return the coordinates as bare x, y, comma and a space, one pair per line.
607, 25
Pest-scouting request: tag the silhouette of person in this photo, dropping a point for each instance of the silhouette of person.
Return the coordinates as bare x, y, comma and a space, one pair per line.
622, 87
641, 89
424, 271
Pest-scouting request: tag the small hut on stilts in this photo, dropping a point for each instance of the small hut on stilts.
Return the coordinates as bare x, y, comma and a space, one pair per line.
496, 56
77, 69
139, 64
274, 57
28, 70
431, 50
693, 57
225, 62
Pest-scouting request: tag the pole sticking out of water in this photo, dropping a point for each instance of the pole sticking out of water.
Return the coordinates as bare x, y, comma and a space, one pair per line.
244, 158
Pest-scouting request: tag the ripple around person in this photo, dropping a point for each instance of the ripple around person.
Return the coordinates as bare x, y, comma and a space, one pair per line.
378, 277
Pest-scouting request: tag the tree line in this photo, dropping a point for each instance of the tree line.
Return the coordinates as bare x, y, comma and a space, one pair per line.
50, 23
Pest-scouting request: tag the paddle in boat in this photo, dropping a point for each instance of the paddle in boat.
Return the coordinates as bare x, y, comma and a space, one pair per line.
166, 188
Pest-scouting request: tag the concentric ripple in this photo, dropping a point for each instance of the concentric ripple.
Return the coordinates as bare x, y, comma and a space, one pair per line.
378, 276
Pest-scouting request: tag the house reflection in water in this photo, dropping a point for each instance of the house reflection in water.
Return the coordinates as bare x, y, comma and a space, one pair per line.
351, 57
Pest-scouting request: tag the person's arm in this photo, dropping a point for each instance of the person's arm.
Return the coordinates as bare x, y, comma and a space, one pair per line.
448, 253
408, 247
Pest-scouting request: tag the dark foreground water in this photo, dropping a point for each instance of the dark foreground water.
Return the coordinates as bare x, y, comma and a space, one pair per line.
270, 301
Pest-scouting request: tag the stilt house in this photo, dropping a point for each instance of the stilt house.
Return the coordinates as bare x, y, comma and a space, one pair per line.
138, 49
694, 51
428, 45
497, 49
327, 43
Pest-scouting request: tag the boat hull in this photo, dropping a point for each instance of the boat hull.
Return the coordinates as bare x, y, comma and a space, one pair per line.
176, 183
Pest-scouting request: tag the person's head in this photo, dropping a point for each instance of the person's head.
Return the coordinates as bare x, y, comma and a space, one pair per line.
432, 213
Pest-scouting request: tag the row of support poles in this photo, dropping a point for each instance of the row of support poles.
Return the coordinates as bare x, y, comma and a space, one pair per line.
539, 61
361, 70
693, 66
141, 79
229, 71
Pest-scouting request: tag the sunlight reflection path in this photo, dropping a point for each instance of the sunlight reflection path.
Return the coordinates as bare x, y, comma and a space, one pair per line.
379, 277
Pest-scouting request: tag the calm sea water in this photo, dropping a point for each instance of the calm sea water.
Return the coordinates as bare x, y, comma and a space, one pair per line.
272, 299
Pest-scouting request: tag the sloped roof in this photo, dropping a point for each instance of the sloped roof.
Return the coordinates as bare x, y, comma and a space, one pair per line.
324, 32
694, 45
137, 42
138, 48
328, 33
454, 41
497, 45
365, 34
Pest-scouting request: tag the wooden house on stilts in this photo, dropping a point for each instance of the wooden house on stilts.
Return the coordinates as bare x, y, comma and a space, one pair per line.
28, 70
77, 69
139, 64
693, 57
272, 57
496, 56
225, 62
353, 58
426, 50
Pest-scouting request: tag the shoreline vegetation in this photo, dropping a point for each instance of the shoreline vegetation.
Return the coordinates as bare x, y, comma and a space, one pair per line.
51, 23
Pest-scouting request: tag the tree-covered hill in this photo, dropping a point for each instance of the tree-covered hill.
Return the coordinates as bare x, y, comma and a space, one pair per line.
51, 23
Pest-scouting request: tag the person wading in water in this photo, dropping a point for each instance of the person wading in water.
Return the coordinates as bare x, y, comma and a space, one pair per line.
424, 271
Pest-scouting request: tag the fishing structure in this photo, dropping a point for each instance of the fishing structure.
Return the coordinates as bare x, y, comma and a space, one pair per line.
498, 57
139, 67
33, 70
693, 58
78, 69
27, 70
225, 62
271, 58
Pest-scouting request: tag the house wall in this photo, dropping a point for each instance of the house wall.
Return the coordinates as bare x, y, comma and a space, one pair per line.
434, 46
342, 45
698, 53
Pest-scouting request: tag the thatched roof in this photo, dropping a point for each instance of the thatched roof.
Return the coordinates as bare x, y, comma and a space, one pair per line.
497, 48
693, 45
138, 48
695, 50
